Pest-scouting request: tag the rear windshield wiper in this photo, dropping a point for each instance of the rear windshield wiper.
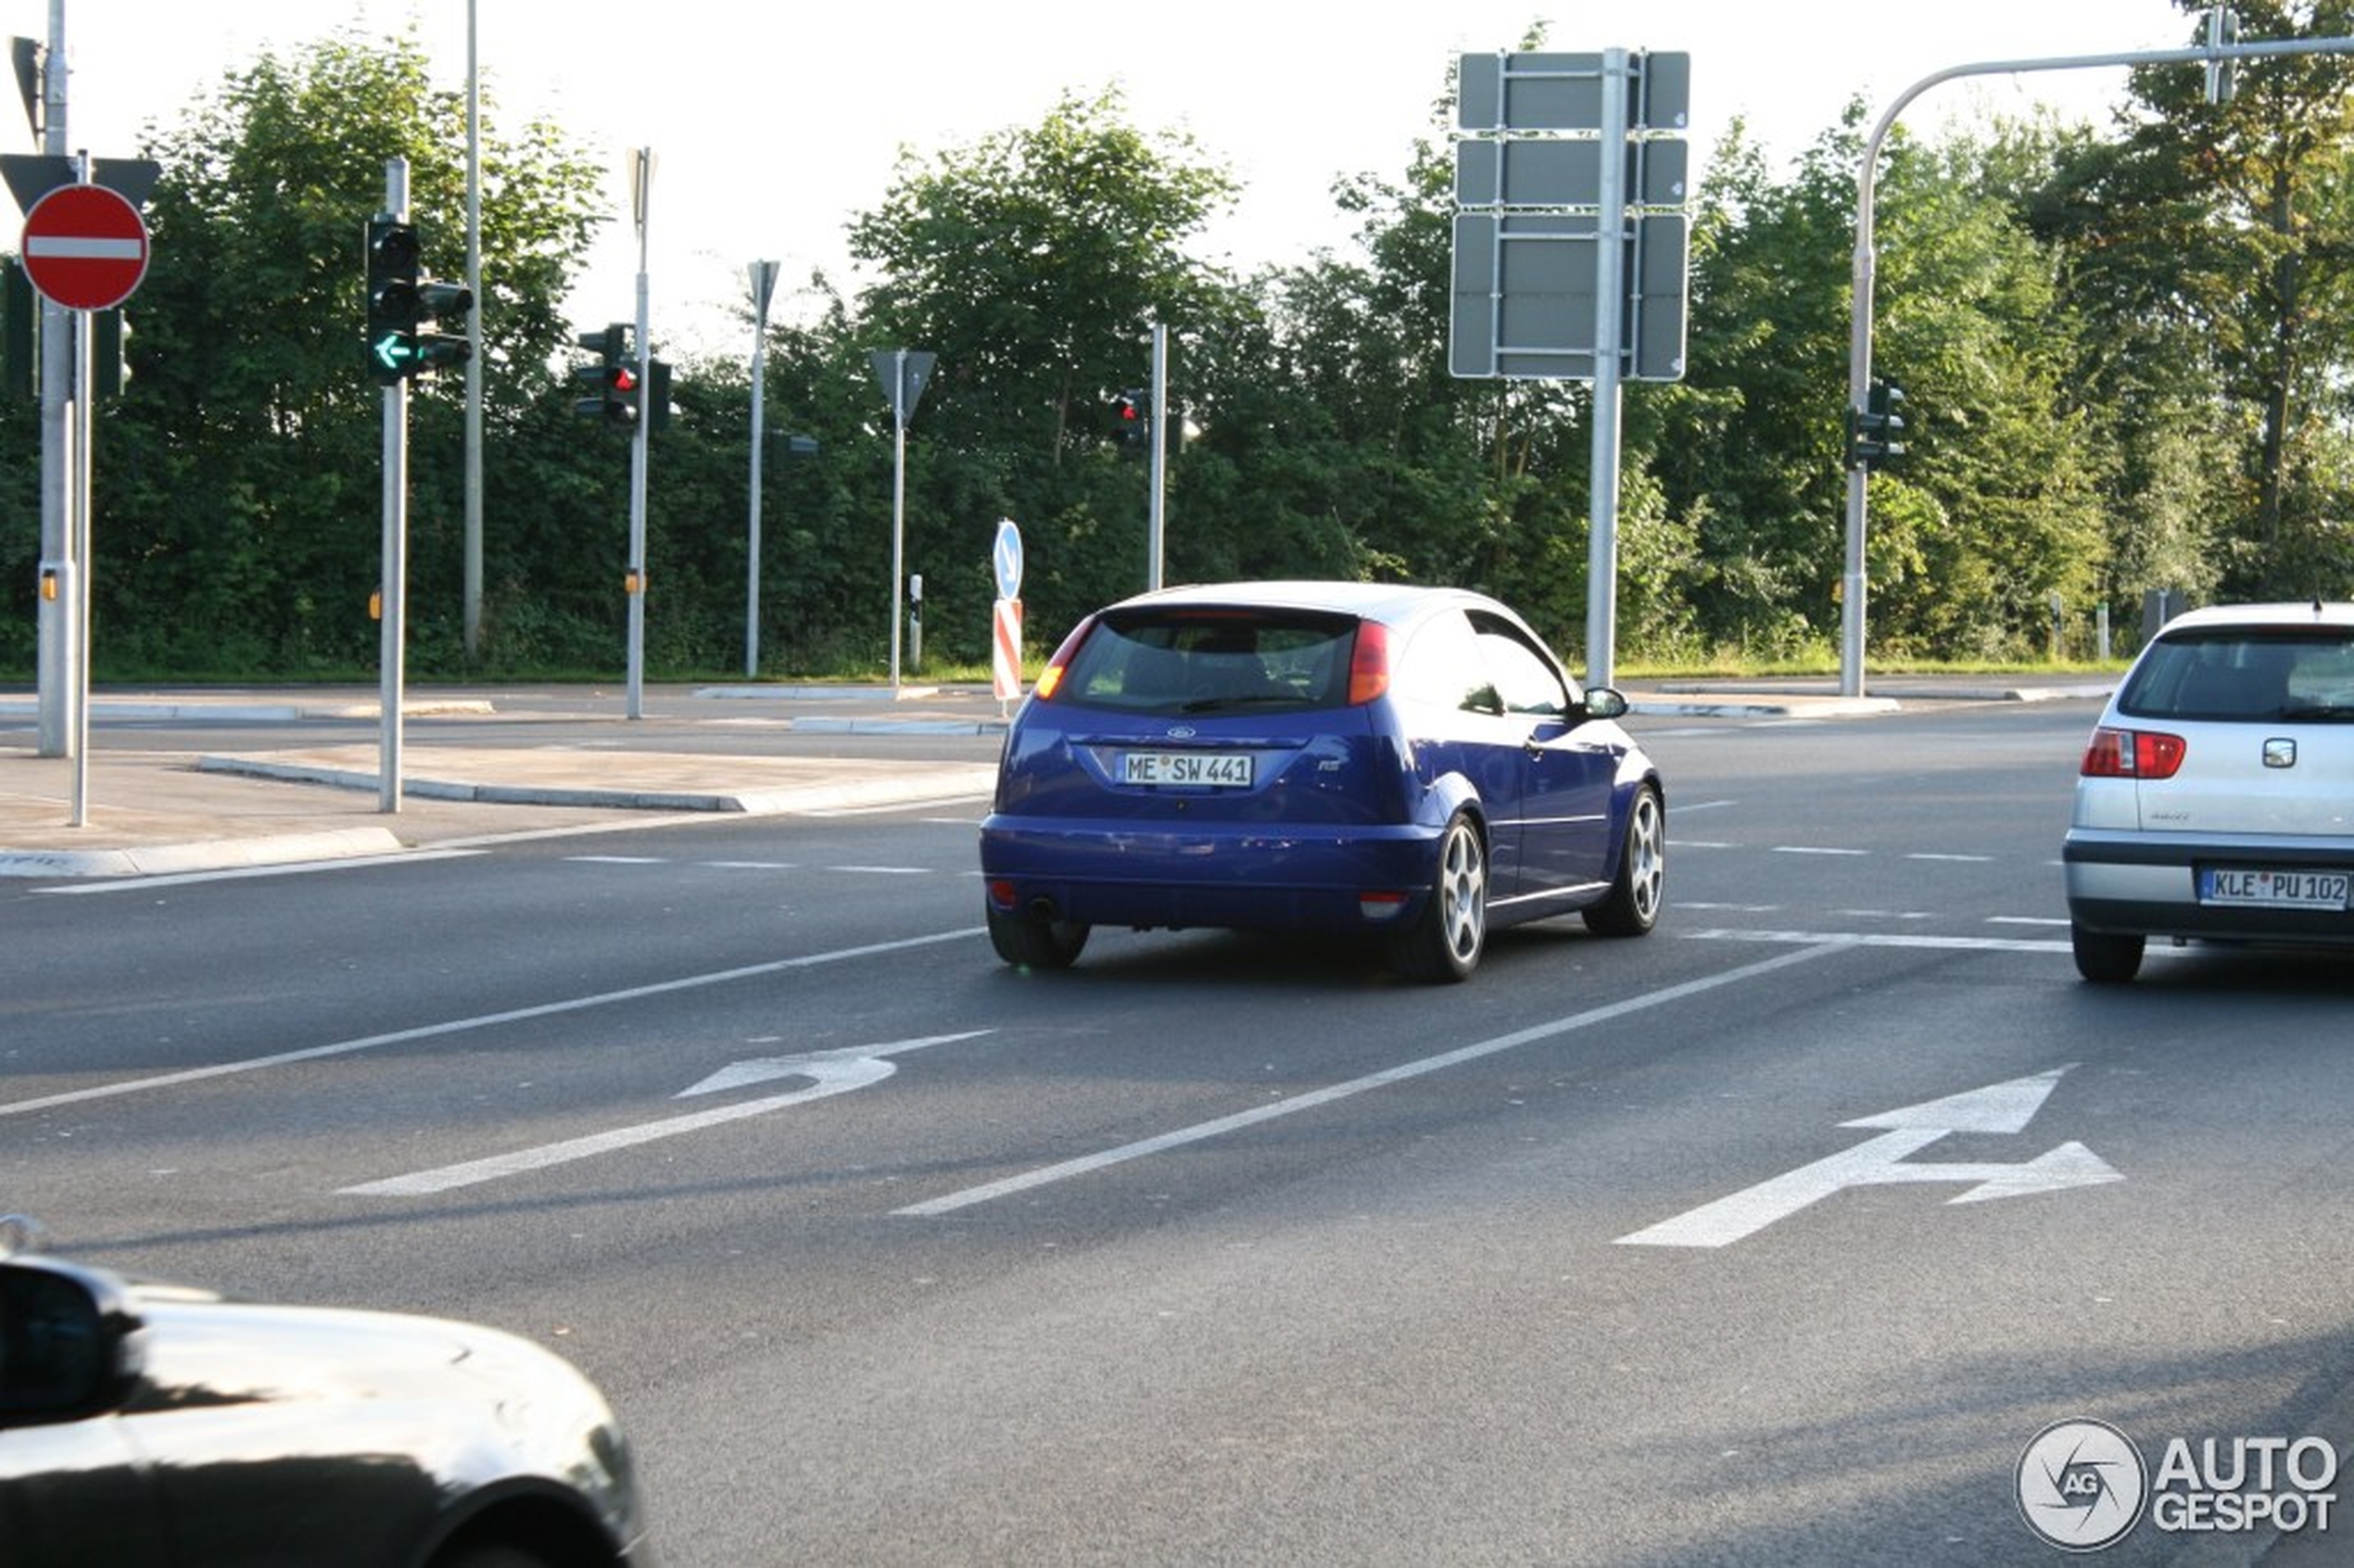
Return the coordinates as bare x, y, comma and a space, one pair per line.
2325, 711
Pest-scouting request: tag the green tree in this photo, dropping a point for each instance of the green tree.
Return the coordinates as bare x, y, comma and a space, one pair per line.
2209, 250
238, 499
1034, 264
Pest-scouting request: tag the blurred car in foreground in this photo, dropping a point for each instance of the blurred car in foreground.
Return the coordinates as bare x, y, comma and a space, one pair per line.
2216, 800
1407, 763
145, 1424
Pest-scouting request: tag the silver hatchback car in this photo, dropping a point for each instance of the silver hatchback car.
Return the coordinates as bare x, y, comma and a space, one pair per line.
2216, 800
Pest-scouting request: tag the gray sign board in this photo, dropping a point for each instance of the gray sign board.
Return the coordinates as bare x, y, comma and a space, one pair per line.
1524, 295
1562, 171
1540, 92
902, 373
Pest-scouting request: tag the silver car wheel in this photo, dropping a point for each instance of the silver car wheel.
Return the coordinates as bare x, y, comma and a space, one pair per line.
1462, 895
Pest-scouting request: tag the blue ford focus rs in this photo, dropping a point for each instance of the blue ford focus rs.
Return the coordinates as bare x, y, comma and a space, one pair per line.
1408, 764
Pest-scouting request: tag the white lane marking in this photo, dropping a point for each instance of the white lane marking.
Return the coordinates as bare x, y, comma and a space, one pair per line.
1884, 915
1998, 1107
1087, 1163
1860, 939
833, 1072
1963, 859
619, 859
486, 1020
883, 870
1813, 848
2027, 920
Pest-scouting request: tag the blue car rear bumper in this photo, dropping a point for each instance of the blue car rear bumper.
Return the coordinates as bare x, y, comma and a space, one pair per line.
1250, 875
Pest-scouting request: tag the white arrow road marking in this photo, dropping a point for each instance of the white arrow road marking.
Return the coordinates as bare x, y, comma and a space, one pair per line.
1999, 1107
850, 1065
834, 1073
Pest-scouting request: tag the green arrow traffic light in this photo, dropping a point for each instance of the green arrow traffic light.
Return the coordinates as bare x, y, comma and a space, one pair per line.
400, 303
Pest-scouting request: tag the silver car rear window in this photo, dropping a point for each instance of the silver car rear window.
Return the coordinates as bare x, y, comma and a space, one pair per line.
2250, 674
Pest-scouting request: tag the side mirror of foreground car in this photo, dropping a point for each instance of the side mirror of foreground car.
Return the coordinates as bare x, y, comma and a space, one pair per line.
1605, 702
62, 1342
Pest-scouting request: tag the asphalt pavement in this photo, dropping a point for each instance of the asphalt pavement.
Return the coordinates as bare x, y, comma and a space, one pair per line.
126, 810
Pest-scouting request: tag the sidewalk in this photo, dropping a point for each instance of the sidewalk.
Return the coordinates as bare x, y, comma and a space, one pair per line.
166, 810
160, 812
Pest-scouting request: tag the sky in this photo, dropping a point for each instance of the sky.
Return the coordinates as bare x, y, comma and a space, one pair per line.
773, 126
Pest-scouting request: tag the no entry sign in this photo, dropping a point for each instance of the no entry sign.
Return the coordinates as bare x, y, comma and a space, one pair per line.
85, 247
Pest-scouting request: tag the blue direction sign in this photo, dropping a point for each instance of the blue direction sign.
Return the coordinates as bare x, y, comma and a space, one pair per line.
1006, 556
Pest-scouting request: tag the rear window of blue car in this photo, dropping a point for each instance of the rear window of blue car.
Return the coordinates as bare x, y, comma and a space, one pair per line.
1207, 659
2250, 673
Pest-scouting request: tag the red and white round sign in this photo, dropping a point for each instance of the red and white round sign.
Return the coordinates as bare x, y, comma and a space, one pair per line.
85, 247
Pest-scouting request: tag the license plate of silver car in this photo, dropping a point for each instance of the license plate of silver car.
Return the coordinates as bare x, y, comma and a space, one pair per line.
2270, 888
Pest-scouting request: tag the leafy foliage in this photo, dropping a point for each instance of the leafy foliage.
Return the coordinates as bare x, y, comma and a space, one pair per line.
2126, 355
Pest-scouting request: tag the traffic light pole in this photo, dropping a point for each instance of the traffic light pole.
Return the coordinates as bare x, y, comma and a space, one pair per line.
641, 179
391, 627
1157, 521
1854, 585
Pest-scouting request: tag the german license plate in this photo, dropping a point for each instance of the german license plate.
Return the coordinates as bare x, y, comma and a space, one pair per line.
1229, 770
2266, 889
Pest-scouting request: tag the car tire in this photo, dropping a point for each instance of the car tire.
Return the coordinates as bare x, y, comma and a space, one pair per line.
1639, 890
2106, 958
1028, 942
1444, 944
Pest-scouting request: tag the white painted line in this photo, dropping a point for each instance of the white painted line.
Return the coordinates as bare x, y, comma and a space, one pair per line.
884, 870
1964, 859
1860, 939
487, 1021
1813, 848
2025, 920
1087, 1164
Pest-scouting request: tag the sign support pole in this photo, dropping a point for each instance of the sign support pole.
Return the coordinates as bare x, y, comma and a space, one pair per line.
84, 387
764, 287
1609, 337
898, 498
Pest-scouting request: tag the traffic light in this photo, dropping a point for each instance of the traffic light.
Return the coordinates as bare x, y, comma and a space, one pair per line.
401, 303
613, 379
1872, 429
1130, 419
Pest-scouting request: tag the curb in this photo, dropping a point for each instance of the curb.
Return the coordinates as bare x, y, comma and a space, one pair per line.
212, 855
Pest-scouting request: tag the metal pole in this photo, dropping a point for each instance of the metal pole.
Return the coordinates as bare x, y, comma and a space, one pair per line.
61, 677
641, 179
764, 286
391, 630
898, 495
1156, 523
471, 613
1610, 307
